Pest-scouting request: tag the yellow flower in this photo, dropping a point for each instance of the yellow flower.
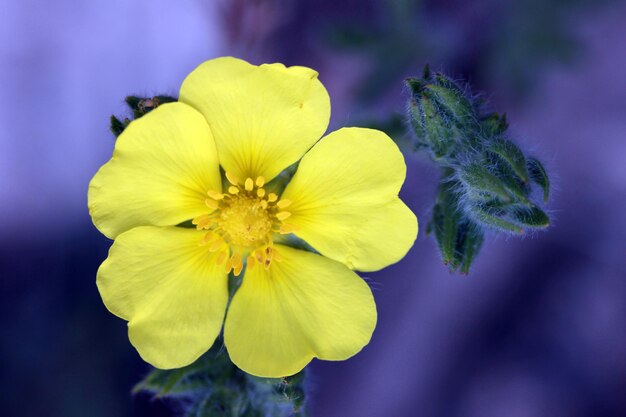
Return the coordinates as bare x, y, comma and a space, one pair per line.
171, 283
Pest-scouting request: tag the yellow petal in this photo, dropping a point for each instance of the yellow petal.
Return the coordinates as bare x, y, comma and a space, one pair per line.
170, 290
302, 307
263, 117
162, 167
344, 200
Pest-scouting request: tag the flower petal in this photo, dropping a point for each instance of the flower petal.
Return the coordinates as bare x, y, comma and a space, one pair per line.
170, 290
162, 166
302, 307
345, 200
263, 117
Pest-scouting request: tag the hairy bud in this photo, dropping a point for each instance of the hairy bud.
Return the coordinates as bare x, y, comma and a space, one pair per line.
487, 180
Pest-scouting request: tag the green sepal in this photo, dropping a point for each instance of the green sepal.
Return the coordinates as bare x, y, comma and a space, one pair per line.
139, 107
117, 126
493, 220
478, 178
511, 181
493, 125
452, 101
143, 105
439, 114
469, 246
532, 217
510, 153
445, 221
430, 128
539, 175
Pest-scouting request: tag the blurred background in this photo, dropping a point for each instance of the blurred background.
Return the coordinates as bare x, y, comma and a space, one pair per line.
537, 328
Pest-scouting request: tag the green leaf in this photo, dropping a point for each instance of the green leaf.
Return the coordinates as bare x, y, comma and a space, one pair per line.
539, 175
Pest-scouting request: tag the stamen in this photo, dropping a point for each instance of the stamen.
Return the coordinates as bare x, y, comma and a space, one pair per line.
271, 197
228, 265
232, 178
260, 192
212, 204
201, 221
260, 181
237, 263
251, 260
283, 203
249, 184
282, 215
233, 190
215, 195
261, 255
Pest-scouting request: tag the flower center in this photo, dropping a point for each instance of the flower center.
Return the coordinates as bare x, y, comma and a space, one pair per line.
242, 224
245, 222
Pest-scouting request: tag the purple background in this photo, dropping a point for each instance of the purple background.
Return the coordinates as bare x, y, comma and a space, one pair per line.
537, 329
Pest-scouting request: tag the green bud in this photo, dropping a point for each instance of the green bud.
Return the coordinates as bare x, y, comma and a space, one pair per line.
516, 188
493, 220
439, 113
493, 125
486, 181
539, 175
532, 217
431, 130
513, 156
452, 100
477, 178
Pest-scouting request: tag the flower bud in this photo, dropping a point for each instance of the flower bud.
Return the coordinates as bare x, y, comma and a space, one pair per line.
441, 114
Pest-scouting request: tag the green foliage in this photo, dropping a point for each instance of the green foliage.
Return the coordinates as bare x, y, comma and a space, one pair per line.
138, 106
214, 387
487, 181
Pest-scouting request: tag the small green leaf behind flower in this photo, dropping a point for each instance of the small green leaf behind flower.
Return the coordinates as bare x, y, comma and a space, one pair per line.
138, 106
214, 387
487, 181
